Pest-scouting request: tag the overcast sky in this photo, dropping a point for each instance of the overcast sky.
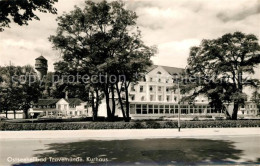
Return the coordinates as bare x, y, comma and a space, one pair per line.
172, 25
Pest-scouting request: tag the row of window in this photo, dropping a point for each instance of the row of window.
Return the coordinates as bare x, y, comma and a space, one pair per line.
152, 79
152, 88
250, 106
159, 98
169, 109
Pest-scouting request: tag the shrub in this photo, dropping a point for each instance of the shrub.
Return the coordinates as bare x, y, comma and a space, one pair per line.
128, 125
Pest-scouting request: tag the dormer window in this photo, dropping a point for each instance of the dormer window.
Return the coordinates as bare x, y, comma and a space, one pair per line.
159, 72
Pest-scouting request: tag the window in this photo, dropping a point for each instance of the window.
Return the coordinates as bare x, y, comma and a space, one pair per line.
184, 109
167, 81
70, 112
175, 98
208, 110
132, 109
151, 88
138, 108
150, 109
161, 109
144, 109
159, 72
132, 87
133, 97
168, 98
151, 79
80, 112
176, 109
167, 109
160, 97
142, 98
191, 109
159, 88
151, 97
141, 88
167, 89
76, 113
143, 79
159, 80
155, 109
172, 109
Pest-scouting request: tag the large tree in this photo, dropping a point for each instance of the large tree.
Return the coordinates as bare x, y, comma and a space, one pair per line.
102, 39
220, 69
22, 11
256, 98
19, 88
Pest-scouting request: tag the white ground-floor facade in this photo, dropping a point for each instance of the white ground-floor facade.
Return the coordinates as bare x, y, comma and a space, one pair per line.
159, 109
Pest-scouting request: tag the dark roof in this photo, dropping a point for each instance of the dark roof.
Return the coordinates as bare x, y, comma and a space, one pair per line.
74, 101
170, 70
47, 102
41, 58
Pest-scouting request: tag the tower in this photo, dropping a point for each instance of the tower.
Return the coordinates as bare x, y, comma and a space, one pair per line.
41, 66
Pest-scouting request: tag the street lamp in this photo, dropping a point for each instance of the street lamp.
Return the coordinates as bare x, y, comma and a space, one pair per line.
179, 102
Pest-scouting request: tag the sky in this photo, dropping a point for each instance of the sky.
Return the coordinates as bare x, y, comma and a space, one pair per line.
172, 25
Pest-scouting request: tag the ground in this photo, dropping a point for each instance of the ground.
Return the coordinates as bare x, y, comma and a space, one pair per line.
134, 147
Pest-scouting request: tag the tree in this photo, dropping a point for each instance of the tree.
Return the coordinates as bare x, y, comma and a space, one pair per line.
256, 98
19, 88
102, 40
22, 11
220, 68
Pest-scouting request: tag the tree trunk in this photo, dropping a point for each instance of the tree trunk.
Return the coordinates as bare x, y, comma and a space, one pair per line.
235, 110
113, 100
97, 104
224, 109
14, 114
127, 103
6, 113
109, 114
26, 113
94, 111
120, 101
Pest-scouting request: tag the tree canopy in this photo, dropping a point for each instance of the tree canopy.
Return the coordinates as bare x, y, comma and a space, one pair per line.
221, 68
22, 11
102, 39
19, 88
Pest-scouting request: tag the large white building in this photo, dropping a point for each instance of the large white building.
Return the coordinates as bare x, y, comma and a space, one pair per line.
154, 96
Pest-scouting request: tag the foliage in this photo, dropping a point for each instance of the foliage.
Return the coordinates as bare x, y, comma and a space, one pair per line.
220, 69
102, 39
19, 88
22, 11
128, 125
256, 99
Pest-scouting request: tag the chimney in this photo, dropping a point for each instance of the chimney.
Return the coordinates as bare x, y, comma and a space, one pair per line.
66, 94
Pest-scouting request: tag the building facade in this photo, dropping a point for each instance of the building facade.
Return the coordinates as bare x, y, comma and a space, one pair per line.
154, 96
249, 108
71, 107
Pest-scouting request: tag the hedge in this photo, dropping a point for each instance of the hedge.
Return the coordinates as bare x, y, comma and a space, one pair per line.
128, 125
